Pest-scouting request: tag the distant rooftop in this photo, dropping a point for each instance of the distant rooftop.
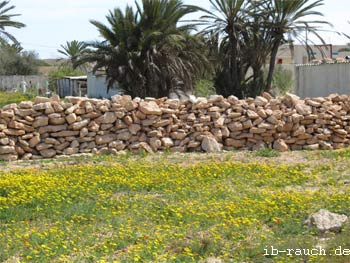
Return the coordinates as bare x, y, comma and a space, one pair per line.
76, 77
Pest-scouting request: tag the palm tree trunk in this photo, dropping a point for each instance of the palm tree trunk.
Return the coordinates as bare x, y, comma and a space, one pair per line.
273, 56
235, 78
258, 76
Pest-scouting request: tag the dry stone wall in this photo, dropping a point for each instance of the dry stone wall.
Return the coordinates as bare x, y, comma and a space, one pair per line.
49, 126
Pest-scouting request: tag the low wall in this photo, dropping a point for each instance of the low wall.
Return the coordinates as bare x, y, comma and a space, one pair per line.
48, 127
322, 80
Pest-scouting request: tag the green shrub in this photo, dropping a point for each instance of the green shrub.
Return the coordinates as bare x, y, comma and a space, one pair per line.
204, 88
15, 61
282, 80
61, 72
267, 152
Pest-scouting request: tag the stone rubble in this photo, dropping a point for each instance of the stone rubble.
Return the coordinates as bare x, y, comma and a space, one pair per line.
50, 127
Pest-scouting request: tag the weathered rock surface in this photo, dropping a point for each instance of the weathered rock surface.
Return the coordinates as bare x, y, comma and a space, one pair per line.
79, 125
150, 108
49, 127
280, 145
324, 221
49, 153
104, 139
210, 145
7, 149
71, 118
108, 117
167, 142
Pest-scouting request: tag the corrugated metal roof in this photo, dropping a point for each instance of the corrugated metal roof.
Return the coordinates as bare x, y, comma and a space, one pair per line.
76, 77
320, 64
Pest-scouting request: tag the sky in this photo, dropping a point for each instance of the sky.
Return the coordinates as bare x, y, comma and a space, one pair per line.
50, 23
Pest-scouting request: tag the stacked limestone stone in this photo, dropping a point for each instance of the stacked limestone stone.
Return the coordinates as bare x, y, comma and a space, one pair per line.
48, 126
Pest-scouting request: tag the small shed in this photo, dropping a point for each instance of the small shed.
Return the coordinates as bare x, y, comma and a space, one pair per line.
98, 88
72, 86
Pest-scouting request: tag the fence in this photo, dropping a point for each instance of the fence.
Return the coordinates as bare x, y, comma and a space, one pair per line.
322, 80
72, 86
97, 87
12, 83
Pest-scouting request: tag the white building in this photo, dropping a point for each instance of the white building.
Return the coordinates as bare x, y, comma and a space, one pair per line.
298, 54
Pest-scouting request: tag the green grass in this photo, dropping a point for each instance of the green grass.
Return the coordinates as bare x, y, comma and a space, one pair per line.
151, 208
339, 154
13, 97
267, 152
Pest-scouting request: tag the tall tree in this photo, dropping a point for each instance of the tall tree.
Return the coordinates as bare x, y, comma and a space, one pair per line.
73, 50
146, 51
226, 21
250, 34
6, 22
289, 17
15, 61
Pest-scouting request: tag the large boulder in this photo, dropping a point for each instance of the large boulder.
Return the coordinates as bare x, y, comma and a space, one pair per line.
260, 101
40, 121
280, 145
48, 153
7, 150
107, 117
150, 108
104, 139
8, 157
235, 143
303, 109
25, 105
81, 124
71, 118
167, 142
134, 128
324, 221
209, 144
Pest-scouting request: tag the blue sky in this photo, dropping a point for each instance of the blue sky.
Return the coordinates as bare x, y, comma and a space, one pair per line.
50, 23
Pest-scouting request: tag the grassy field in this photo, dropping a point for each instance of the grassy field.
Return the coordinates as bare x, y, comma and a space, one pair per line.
13, 97
171, 207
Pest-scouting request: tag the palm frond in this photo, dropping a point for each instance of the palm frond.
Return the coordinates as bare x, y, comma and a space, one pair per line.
6, 21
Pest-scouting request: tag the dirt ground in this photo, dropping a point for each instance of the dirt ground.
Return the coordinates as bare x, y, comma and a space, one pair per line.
286, 158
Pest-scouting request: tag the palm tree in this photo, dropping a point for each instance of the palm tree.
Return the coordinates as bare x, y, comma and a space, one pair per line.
5, 22
289, 17
73, 50
250, 33
226, 22
146, 52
